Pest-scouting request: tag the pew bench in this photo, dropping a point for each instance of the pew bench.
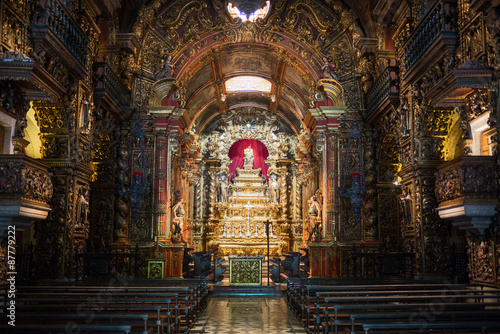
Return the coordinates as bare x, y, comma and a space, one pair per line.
82, 329
340, 314
450, 327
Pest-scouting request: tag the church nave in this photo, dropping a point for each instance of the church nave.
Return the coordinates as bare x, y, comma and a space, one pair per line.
246, 315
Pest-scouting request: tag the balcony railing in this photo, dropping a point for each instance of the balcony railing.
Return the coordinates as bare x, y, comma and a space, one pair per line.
466, 177
386, 86
466, 190
25, 189
107, 82
441, 19
68, 30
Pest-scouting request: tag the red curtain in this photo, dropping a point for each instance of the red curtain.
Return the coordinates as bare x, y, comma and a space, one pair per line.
236, 153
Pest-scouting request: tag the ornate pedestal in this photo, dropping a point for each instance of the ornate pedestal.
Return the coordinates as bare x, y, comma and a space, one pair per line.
245, 270
173, 255
322, 259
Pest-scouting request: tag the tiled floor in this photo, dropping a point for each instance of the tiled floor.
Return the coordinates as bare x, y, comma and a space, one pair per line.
247, 315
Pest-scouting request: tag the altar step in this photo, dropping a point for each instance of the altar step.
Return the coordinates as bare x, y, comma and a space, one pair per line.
252, 291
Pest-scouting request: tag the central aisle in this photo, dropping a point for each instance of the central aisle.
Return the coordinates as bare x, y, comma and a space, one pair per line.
247, 315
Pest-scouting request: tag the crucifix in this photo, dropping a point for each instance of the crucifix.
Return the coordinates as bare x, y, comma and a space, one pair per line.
268, 224
248, 206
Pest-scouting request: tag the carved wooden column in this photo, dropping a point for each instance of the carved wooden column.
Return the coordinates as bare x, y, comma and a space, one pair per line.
160, 186
171, 149
121, 216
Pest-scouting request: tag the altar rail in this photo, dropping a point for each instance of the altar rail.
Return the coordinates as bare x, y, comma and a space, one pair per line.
382, 264
105, 264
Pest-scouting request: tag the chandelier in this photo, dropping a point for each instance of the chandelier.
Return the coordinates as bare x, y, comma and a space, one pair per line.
358, 189
140, 184
248, 6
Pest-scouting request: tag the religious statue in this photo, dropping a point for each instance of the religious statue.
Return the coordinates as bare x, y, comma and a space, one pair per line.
274, 189
248, 159
212, 144
329, 70
82, 208
223, 188
315, 219
283, 145
166, 69
178, 221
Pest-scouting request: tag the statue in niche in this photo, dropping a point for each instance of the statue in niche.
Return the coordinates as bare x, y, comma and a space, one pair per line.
248, 158
329, 70
315, 219
274, 189
212, 144
283, 145
223, 188
82, 209
165, 70
179, 218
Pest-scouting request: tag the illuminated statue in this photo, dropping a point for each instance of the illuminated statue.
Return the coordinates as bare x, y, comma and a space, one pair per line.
274, 189
248, 159
223, 188
178, 221
314, 219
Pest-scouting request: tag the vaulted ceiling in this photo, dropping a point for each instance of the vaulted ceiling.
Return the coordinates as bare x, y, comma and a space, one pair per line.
208, 47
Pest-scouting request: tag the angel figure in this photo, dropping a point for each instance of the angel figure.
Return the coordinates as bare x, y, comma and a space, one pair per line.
166, 70
329, 70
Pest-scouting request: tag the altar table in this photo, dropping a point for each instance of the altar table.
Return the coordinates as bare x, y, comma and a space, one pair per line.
245, 270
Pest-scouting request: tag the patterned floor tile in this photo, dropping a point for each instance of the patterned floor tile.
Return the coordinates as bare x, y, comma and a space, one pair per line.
237, 315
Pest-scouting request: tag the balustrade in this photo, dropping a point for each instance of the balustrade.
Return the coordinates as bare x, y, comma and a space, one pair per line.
386, 86
440, 19
107, 82
67, 30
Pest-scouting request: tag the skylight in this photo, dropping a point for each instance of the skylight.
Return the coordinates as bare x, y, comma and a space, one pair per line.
248, 84
258, 14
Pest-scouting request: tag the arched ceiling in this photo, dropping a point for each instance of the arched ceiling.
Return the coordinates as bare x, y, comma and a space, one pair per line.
208, 47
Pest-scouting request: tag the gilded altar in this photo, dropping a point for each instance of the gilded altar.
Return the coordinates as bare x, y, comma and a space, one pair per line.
240, 216
245, 270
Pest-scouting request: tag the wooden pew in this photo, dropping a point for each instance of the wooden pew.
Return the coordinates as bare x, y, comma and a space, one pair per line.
132, 320
90, 329
82, 303
423, 317
339, 314
470, 326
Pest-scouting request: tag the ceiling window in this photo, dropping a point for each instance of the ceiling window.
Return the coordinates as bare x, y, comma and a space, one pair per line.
248, 84
252, 17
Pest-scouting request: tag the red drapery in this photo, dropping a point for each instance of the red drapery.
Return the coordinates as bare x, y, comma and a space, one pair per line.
236, 153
